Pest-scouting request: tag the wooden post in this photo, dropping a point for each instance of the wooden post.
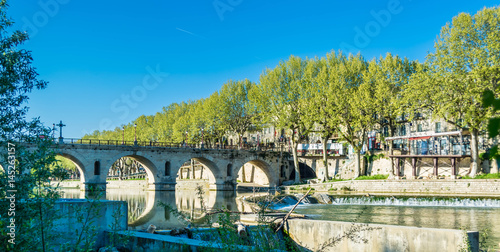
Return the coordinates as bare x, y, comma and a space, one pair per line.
398, 164
414, 168
453, 168
435, 167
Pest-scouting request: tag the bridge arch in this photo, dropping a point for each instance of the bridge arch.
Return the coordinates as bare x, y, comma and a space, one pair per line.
205, 162
152, 171
306, 171
266, 167
78, 160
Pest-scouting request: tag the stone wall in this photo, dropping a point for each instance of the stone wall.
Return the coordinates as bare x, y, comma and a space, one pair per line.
191, 184
344, 167
476, 187
314, 234
101, 215
341, 166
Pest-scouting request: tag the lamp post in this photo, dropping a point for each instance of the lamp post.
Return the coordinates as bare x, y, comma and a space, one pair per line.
185, 141
202, 138
53, 130
123, 135
135, 134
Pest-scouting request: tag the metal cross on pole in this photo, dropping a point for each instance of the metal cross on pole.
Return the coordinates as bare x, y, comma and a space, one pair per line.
60, 125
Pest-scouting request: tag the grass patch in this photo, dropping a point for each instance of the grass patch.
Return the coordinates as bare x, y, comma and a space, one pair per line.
378, 176
484, 176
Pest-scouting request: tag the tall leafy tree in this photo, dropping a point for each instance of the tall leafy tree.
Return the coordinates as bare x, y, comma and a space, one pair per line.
213, 114
281, 95
237, 112
318, 107
388, 77
466, 62
26, 176
352, 98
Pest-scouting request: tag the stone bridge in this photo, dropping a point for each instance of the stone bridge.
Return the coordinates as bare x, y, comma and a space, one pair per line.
163, 163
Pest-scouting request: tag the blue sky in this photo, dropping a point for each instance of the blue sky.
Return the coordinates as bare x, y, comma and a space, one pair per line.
108, 62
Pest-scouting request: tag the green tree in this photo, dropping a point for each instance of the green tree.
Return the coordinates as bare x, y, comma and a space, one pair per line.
280, 98
213, 115
388, 77
318, 107
237, 112
352, 98
28, 142
466, 62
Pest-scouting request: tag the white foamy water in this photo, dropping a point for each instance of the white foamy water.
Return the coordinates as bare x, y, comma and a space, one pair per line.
422, 202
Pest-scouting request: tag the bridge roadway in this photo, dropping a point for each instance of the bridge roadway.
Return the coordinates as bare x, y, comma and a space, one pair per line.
162, 162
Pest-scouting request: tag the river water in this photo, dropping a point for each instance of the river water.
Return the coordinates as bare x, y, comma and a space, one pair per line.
449, 213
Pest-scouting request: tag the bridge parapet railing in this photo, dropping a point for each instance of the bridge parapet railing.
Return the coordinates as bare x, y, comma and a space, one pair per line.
168, 145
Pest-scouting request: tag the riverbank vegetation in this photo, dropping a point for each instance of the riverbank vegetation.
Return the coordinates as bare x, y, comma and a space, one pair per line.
27, 199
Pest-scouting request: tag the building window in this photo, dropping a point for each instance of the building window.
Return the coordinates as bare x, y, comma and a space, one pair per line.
419, 128
386, 131
403, 130
438, 127
97, 168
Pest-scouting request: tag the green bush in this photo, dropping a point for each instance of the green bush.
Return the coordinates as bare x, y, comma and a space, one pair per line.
484, 176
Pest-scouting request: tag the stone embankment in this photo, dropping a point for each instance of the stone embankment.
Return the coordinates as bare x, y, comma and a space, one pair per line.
462, 187
319, 235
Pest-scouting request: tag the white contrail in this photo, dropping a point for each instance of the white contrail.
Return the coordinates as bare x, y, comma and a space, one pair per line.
190, 33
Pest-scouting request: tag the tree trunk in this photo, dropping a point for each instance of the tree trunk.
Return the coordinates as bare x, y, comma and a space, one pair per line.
474, 152
391, 150
296, 161
325, 160
357, 169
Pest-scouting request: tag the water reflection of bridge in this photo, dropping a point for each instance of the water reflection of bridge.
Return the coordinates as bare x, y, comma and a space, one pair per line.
144, 207
188, 203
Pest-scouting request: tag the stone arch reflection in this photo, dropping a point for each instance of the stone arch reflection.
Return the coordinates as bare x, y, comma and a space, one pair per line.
186, 202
